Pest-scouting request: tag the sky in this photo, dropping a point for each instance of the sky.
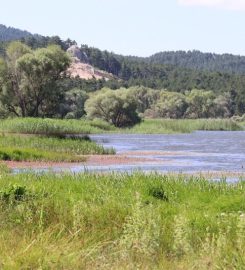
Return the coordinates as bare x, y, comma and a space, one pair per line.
135, 27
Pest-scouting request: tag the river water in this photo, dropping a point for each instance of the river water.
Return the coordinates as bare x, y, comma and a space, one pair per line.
194, 152
200, 151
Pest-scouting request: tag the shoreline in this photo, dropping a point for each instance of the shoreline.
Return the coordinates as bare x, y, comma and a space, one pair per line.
92, 160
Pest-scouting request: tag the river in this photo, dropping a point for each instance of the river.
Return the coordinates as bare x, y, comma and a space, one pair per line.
197, 151
200, 151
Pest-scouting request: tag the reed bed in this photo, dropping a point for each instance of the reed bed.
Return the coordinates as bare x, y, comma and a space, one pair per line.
169, 126
53, 126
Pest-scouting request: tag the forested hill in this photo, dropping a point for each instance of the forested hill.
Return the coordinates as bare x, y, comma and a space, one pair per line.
202, 61
10, 33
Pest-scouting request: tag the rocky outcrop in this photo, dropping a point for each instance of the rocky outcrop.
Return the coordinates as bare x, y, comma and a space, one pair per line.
81, 68
77, 55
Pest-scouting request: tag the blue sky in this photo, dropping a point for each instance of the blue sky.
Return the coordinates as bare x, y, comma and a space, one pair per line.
135, 27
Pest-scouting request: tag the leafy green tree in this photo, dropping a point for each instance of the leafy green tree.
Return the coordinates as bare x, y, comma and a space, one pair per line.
222, 106
170, 105
144, 97
116, 107
200, 104
29, 79
73, 105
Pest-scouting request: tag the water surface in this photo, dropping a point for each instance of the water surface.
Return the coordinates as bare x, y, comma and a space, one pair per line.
197, 151
200, 151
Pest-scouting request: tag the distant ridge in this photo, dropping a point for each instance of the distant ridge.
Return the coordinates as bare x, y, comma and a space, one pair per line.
228, 63
11, 33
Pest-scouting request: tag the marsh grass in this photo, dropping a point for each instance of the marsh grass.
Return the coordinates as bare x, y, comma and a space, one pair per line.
38, 148
57, 127
78, 146
53, 126
116, 221
169, 126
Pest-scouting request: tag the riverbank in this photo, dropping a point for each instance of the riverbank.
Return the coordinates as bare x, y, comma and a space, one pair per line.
120, 221
19, 147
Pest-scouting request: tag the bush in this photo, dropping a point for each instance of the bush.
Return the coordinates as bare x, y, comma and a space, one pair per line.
13, 193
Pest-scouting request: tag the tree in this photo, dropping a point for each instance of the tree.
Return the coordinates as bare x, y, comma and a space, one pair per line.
29, 79
144, 97
170, 105
200, 104
116, 107
222, 106
73, 105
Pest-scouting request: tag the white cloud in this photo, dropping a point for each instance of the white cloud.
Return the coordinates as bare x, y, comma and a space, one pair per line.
225, 4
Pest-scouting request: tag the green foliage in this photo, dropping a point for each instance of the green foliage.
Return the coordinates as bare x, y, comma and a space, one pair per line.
116, 107
152, 103
13, 193
200, 104
73, 106
169, 105
29, 83
158, 193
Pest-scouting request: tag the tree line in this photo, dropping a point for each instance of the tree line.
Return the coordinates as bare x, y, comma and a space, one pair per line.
125, 107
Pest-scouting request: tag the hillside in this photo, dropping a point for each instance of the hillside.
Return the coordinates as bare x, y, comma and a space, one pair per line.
202, 61
10, 33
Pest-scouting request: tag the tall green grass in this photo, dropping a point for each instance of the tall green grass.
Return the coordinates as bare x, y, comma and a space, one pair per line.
120, 221
53, 126
36, 148
33, 148
152, 126
78, 146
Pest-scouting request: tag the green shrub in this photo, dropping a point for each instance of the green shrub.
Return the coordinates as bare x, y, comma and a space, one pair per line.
13, 193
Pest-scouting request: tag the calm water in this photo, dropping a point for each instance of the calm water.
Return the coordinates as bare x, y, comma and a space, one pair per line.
198, 151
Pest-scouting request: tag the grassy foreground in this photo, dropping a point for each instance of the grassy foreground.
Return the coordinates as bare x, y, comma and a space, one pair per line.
120, 221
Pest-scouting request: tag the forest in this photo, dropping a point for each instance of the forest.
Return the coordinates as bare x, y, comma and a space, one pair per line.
166, 85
